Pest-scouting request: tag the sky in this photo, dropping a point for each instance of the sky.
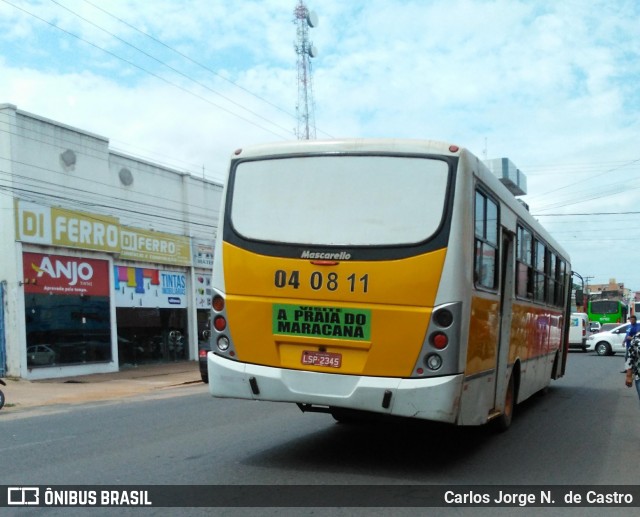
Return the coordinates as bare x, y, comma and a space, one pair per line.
552, 85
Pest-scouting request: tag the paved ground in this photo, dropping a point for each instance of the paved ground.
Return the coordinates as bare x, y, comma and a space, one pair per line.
22, 394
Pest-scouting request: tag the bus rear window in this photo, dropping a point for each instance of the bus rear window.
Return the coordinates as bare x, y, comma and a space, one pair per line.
605, 307
339, 200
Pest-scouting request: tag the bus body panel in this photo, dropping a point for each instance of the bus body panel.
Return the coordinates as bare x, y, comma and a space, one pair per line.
412, 281
482, 346
535, 339
397, 309
536, 331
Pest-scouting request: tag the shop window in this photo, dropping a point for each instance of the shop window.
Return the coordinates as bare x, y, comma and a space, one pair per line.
67, 310
148, 335
151, 315
64, 330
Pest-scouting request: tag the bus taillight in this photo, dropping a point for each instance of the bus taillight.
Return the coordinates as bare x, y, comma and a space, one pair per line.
219, 323
443, 318
439, 340
217, 303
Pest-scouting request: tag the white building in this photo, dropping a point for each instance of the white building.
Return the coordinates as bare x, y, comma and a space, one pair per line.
105, 259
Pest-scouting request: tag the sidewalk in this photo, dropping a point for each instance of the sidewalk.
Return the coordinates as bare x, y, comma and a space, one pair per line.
22, 394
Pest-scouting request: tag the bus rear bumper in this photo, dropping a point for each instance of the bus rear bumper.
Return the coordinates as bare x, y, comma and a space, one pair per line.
436, 399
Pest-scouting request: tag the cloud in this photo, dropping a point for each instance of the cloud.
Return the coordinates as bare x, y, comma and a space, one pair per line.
552, 85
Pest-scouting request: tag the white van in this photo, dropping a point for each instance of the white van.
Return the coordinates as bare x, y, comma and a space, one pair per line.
578, 330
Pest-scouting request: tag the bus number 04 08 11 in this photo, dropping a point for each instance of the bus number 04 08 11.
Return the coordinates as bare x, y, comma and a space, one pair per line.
318, 281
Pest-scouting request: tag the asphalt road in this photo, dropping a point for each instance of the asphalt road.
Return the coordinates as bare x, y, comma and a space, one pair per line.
578, 433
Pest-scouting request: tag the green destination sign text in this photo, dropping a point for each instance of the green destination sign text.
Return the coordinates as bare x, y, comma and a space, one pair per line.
326, 322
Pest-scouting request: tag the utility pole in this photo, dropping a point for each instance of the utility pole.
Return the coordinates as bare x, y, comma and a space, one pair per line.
586, 283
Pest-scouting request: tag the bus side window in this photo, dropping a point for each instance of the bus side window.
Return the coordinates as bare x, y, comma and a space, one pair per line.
540, 267
550, 272
486, 242
524, 279
559, 283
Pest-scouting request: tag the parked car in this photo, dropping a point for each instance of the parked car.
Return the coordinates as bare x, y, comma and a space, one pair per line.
608, 342
203, 350
594, 326
38, 355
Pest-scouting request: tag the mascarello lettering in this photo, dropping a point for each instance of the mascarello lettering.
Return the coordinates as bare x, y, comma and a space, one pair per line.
343, 255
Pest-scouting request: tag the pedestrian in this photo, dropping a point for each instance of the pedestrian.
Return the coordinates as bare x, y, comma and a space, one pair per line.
633, 364
632, 330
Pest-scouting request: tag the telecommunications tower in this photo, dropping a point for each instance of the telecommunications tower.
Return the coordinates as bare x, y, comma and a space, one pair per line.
304, 20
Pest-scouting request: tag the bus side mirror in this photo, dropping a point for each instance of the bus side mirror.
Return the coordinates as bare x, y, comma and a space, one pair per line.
579, 297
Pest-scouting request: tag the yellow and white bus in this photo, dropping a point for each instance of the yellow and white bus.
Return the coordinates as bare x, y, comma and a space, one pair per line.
398, 277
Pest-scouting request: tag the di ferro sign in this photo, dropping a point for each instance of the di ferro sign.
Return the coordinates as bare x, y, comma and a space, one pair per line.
53, 226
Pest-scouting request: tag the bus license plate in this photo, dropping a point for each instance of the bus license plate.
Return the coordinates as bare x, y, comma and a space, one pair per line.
312, 358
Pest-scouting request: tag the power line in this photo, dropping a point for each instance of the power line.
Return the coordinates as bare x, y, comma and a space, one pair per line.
182, 88
110, 207
39, 196
587, 213
579, 191
623, 188
38, 190
190, 59
571, 168
53, 188
166, 65
92, 152
73, 143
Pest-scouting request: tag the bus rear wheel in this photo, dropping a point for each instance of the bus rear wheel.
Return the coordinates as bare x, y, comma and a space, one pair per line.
503, 422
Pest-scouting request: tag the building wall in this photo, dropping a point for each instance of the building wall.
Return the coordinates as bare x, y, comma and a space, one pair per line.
48, 166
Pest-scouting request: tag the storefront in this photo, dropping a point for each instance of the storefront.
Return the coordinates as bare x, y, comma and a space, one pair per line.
100, 296
151, 313
67, 315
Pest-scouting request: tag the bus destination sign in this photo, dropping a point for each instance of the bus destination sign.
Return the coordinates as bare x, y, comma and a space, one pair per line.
323, 322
